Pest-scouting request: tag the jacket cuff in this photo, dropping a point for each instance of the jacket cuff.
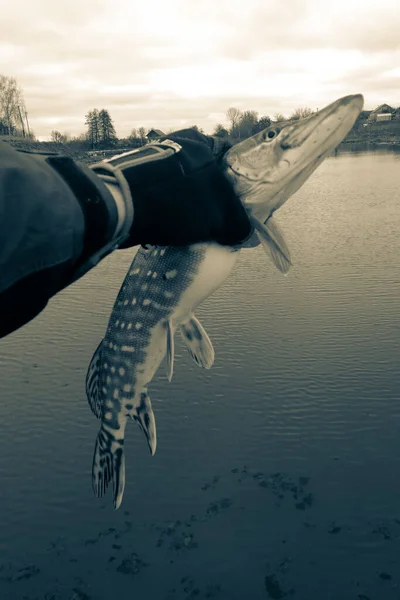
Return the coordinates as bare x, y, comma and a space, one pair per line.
99, 209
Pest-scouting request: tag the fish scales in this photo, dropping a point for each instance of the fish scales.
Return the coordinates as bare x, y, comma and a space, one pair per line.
143, 301
160, 291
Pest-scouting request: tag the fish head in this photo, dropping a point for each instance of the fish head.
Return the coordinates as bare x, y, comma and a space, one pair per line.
269, 167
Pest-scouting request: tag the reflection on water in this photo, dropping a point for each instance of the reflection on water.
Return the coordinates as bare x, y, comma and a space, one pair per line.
276, 471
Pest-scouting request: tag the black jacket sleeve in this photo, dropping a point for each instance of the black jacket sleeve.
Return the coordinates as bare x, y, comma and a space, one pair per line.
41, 235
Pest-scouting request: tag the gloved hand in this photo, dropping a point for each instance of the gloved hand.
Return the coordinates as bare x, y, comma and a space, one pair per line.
178, 191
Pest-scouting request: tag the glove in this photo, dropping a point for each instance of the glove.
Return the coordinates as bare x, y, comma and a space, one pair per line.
178, 192
173, 193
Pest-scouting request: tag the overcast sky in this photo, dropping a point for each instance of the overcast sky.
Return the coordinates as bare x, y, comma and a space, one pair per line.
175, 63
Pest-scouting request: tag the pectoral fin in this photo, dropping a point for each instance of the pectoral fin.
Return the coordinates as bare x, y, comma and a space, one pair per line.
273, 243
197, 342
170, 350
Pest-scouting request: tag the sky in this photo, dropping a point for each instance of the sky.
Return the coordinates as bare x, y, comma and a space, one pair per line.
172, 64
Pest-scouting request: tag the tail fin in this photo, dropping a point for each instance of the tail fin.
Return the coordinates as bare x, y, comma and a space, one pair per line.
108, 464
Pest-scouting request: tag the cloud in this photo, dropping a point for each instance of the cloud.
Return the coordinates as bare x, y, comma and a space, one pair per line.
177, 63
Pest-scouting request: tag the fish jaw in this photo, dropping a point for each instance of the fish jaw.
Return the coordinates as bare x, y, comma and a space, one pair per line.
272, 165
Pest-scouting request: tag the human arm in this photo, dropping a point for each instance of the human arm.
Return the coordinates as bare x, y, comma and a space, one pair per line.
59, 218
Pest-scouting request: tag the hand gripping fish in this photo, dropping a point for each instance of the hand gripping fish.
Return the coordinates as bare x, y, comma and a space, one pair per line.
164, 285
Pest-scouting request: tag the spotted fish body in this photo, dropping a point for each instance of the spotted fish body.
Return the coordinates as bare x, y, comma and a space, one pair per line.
165, 285
159, 294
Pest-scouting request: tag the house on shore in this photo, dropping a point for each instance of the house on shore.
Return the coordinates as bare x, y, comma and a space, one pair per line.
154, 134
384, 112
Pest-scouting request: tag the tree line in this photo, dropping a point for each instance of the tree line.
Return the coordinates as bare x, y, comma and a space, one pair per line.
13, 115
244, 124
100, 130
100, 134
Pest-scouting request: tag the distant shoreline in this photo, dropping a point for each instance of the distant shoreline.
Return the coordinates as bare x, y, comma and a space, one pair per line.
378, 142
357, 141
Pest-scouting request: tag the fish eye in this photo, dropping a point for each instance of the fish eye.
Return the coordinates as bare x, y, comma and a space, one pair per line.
271, 133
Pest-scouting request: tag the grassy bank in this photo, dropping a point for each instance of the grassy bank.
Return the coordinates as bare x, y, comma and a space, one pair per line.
384, 132
27, 144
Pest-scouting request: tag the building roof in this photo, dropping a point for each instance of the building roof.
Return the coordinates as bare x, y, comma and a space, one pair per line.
382, 107
155, 131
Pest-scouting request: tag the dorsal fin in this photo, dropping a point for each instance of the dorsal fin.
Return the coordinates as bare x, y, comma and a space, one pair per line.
92, 382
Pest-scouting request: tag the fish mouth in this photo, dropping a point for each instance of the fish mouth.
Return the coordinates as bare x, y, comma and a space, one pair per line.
320, 129
265, 172
296, 143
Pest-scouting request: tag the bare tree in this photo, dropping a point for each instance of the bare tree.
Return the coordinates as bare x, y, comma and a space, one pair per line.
133, 140
197, 128
261, 124
11, 103
279, 117
57, 136
300, 113
247, 123
220, 131
142, 135
233, 114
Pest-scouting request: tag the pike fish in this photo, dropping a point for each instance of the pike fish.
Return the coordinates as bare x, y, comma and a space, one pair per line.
164, 285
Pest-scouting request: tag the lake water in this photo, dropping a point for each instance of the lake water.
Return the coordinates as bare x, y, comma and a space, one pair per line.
277, 471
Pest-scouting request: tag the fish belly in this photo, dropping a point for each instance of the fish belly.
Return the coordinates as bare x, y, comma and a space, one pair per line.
216, 265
